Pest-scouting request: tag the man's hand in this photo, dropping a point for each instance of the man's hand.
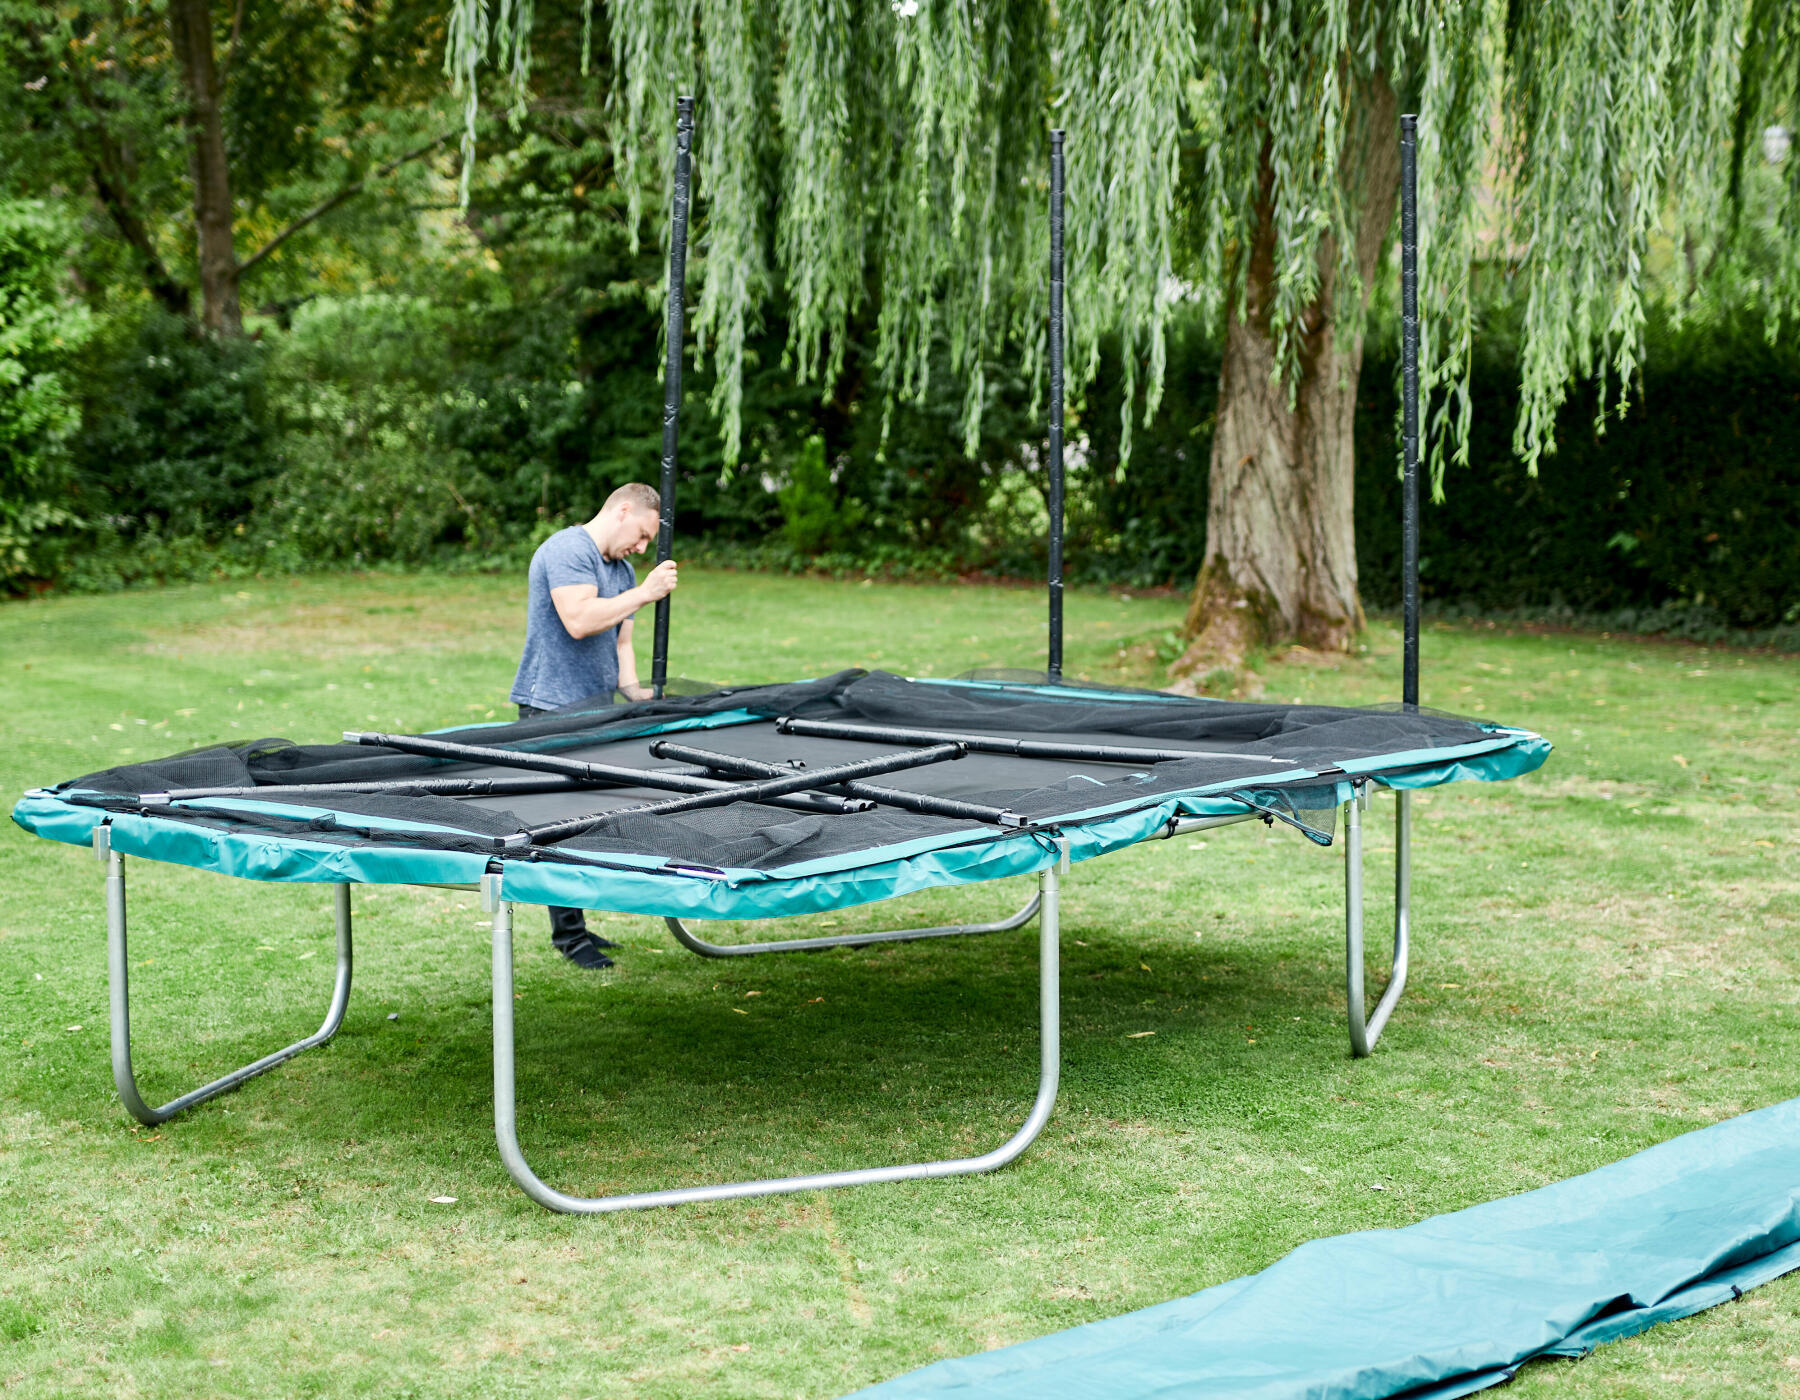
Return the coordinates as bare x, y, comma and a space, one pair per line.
660, 582
634, 691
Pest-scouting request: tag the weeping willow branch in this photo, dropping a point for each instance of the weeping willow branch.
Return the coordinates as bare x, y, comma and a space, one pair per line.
897, 150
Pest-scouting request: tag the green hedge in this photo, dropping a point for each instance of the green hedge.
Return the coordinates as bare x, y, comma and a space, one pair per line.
1692, 500
399, 430
1689, 505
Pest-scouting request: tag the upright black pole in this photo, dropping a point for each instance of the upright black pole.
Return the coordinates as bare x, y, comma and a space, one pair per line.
678, 226
1409, 400
1056, 405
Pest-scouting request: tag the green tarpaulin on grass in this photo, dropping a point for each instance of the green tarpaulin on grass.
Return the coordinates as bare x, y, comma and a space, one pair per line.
1446, 1307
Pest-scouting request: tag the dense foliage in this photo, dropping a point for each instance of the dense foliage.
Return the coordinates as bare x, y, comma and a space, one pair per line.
423, 380
1686, 511
909, 151
41, 329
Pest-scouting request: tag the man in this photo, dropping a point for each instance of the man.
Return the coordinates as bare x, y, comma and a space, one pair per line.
584, 593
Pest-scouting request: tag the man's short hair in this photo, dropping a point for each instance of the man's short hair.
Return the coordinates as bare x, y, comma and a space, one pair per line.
638, 496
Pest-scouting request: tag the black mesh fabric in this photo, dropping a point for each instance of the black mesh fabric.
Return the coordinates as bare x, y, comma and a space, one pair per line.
1245, 745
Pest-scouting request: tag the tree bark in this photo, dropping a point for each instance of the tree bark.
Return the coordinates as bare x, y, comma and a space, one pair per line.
190, 28
1280, 544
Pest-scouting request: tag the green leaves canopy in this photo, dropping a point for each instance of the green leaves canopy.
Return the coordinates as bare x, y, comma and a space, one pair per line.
894, 152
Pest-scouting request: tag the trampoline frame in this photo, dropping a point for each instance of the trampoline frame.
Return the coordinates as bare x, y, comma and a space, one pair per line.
1365, 1024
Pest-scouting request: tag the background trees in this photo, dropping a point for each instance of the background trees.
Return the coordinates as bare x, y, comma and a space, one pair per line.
906, 167
419, 378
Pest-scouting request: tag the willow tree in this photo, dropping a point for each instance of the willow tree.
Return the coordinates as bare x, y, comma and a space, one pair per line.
896, 150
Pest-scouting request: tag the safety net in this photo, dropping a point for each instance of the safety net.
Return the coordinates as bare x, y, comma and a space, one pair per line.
1032, 763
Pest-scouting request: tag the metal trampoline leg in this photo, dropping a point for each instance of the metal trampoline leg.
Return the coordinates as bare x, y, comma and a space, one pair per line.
1364, 1032
118, 978
506, 1116
694, 943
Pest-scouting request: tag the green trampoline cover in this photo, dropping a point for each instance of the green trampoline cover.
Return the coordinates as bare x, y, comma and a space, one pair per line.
1446, 1307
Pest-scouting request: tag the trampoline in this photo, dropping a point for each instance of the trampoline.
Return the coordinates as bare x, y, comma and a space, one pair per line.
775, 801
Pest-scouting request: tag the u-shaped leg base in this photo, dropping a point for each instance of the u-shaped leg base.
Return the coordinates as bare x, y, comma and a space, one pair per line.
1366, 1028
119, 983
692, 941
506, 1111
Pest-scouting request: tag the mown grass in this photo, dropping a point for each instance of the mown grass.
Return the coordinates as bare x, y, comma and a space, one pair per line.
1606, 957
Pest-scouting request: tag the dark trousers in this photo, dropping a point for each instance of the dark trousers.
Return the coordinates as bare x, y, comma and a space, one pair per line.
567, 926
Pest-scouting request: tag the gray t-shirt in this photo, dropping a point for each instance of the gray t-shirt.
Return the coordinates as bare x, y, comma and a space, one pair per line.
558, 669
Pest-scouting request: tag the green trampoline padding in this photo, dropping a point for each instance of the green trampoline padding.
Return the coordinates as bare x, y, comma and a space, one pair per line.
1446, 1307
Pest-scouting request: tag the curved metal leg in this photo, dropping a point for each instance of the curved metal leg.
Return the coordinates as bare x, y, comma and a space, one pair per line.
692, 941
118, 977
1364, 1032
506, 1118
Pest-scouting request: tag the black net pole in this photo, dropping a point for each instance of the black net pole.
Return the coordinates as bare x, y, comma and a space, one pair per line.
1056, 405
678, 226
921, 802
1409, 401
604, 774
1011, 748
789, 784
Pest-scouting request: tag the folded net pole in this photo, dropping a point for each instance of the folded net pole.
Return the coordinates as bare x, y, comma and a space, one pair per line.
751, 792
1056, 405
678, 225
435, 787
1012, 748
1409, 400
921, 802
600, 773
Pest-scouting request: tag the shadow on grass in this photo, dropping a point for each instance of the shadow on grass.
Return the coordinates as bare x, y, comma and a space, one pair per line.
680, 1070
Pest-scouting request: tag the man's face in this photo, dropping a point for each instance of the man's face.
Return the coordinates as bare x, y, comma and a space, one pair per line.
637, 529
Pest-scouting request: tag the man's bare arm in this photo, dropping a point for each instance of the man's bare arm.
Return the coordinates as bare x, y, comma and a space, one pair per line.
585, 613
628, 676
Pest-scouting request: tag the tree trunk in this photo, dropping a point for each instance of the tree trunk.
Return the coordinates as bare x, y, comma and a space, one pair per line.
190, 28
1280, 546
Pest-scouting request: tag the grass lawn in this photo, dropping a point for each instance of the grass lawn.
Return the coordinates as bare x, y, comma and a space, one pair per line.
1605, 957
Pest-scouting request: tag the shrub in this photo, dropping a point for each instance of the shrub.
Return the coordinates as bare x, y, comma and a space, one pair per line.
41, 330
1691, 501
363, 475
176, 436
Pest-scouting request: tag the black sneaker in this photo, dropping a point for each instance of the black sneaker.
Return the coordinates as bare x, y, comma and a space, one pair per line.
585, 952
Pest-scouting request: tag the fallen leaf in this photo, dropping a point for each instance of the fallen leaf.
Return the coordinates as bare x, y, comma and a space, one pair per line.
1144, 966
740, 1011
1139, 1035
443, 1200
1678, 760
